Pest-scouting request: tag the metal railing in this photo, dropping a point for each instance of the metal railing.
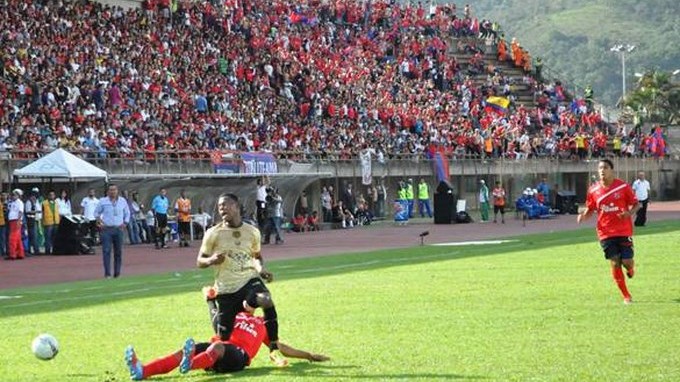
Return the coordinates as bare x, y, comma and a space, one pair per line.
195, 156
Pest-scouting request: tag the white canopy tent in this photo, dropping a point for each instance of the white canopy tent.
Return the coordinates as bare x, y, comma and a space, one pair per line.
61, 164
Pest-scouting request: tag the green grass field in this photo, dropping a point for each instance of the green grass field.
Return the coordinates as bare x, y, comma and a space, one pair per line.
542, 308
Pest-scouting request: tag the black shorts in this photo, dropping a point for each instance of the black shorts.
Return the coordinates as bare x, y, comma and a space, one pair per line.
497, 209
161, 221
619, 247
234, 358
184, 227
229, 304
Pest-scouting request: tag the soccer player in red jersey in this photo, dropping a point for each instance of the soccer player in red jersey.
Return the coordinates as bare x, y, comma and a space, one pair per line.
615, 203
217, 356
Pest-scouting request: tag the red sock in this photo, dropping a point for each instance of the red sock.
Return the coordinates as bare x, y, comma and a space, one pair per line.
617, 274
161, 365
204, 360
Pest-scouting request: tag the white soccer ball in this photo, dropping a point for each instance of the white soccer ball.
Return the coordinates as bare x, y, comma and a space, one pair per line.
45, 346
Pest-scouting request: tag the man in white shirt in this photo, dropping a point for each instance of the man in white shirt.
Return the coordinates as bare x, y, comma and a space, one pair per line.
641, 187
88, 206
261, 201
15, 215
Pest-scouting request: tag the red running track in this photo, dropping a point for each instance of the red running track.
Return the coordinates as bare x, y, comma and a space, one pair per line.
144, 259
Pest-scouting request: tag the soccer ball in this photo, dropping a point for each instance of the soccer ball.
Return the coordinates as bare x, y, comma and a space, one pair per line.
45, 346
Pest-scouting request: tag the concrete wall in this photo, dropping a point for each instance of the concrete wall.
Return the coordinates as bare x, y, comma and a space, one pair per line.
204, 187
204, 191
125, 4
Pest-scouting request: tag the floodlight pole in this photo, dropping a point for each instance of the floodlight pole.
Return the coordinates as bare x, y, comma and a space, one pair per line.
623, 49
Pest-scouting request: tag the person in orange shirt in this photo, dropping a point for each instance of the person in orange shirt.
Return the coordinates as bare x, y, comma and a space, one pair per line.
527, 62
502, 50
514, 48
498, 194
488, 146
183, 211
3, 225
519, 56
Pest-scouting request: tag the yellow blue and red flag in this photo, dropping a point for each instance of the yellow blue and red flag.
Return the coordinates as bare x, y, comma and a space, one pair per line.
497, 104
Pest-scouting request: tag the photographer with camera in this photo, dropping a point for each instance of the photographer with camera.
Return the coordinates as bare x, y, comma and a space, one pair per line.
274, 210
261, 202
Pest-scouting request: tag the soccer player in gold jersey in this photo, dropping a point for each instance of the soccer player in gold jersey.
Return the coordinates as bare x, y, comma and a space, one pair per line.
232, 248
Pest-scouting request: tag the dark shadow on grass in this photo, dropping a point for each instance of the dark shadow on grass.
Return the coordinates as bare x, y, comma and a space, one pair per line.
134, 287
315, 371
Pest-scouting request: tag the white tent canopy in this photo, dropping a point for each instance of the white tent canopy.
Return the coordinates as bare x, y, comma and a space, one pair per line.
60, 164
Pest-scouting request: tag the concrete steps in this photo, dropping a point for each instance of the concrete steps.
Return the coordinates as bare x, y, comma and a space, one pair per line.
523, 94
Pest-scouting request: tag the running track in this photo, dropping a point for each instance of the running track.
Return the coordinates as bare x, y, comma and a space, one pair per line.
144, 259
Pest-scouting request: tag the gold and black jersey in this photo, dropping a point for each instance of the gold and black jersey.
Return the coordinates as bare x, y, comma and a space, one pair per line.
239, 245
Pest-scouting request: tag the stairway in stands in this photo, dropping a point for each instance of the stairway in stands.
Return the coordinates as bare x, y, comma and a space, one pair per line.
523, 93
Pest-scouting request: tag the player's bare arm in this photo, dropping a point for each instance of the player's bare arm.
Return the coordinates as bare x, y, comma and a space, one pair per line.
583, 216
292, 352
205, 260
259, 267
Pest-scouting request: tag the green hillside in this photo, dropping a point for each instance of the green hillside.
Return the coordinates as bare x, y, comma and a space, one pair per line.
574, 37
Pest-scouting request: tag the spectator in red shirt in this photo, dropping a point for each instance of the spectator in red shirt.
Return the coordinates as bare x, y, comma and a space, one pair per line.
299, 223
313, 222
615, 204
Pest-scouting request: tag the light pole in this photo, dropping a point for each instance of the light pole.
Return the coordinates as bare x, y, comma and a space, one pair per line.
623, 49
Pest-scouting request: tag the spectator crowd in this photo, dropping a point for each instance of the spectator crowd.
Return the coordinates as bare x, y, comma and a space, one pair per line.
39, 216
301, 78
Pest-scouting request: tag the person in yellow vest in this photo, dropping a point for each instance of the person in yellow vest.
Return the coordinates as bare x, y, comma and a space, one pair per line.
401, 192
183, 211
401, 206
3, 225
580, 140
616, 142
410, 197
50, 221
424, 198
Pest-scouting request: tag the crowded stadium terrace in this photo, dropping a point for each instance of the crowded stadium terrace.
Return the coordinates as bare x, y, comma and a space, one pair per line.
302, 79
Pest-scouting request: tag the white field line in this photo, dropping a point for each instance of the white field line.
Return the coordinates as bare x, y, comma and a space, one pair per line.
95, 296
99, 296
123, 285
371, 262
477, 242
197, 276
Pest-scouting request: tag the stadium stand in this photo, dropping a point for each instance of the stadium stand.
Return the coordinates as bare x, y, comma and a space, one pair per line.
303, 79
